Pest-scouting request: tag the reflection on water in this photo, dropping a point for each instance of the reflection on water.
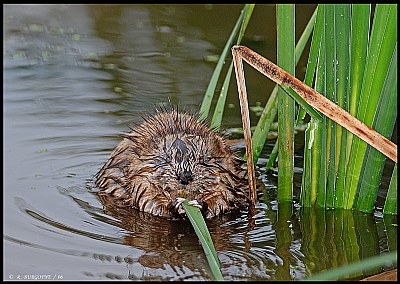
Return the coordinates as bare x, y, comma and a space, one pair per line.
336, 237
289, 245
74, 77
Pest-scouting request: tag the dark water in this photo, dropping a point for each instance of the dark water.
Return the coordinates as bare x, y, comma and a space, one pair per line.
74, 78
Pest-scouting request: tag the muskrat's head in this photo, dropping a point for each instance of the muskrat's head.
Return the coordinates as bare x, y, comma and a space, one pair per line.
171, 156
180, 154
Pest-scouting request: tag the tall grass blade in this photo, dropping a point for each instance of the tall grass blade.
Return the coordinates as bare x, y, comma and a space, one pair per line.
264, 124
318, 152
360, 27
318, 135
272, 156
248, 10
307, 196
301, 44
312, 56
330, 81
219, 108
342, 42
391, 199
381, 46
200, 227
286, 106
207, 100
384, 120
309, 184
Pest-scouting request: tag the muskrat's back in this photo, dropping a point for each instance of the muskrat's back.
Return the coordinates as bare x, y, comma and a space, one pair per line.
171, 156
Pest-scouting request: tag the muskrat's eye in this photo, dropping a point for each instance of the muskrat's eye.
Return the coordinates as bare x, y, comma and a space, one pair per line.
203, 160
200, 160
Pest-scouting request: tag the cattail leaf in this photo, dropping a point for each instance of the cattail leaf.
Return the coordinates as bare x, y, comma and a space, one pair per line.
219, 108
206, 104
200, 227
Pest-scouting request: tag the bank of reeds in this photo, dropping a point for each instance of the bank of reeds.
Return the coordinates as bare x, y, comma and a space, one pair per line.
352, 63
357, 69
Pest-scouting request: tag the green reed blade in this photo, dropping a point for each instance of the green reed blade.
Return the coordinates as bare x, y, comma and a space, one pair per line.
384, 120
270, 109
391, 198
330, 82
264, 124
272, 157
206, 104
318, 160
365, 264
286, 106
301, 44
342, 43
219, 108
307, 196
309, 184
200, 227
381, 46
248, 10
312, 56
319, 149
360, 27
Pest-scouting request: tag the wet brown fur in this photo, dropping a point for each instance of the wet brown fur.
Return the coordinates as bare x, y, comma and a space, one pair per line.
172, 155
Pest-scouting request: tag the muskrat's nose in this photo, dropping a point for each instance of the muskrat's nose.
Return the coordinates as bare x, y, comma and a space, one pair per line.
185, 177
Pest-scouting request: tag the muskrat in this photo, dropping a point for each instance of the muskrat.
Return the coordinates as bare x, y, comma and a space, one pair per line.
170, 157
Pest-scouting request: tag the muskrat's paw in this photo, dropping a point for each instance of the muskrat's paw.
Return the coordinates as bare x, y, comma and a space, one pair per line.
202, 205
175, 206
